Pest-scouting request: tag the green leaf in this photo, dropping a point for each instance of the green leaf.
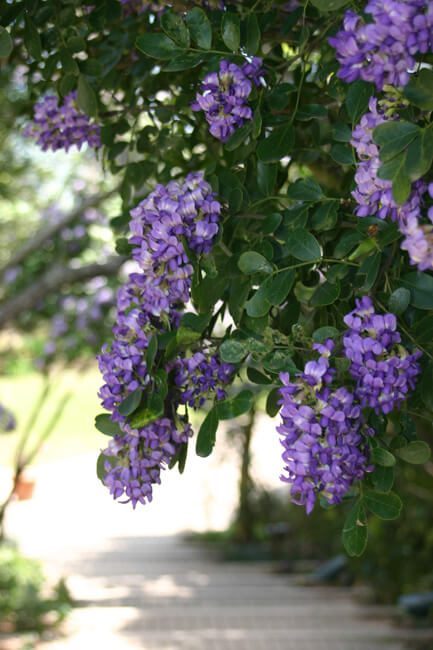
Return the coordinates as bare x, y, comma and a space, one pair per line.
343, 154
326, 294
422, 330
152, 349
420, 286
276, 288
253, 34
395, 170
329, 5
257, 123
399, 301
86, 97
105, 425
199, 28
196, 322
419, 155
272, 402
266, 177
325, 216
131, 402
383, 478
230, 31
327, 332
185, 336
355, 531
207, 434
32, 40
419, 90
6, 43
393, 137
305, 189
369, 270
278, 145
384, 506
304, 246
238, 137
357, 99
416, 452
383, 457
279, 361
257, 377
173, 25
158, 46
251, 262
149, 412
231, 408
100, 466
184, 62
257, 306
233, 351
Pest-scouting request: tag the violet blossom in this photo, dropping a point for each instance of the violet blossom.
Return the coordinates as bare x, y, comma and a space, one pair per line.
61, 126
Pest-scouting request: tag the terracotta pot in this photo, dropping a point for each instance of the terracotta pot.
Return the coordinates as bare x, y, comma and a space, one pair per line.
24, 489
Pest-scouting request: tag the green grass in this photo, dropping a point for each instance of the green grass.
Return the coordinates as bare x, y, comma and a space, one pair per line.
74, 432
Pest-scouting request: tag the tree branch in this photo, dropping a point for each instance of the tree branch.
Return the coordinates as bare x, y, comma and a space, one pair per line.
53, 280
41, 236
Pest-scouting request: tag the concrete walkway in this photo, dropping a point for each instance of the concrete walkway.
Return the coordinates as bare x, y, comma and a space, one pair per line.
162, 594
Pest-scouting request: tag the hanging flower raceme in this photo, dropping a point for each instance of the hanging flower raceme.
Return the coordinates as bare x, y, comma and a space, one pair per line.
322, 433
384, 371
149, 304
134, 460
383, 50
374, 197
158, 223
201, 376
373, 194
7, 420
61, 126
80, 321
223, 96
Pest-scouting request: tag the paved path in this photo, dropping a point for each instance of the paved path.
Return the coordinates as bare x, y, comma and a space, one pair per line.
162, 594
141, 587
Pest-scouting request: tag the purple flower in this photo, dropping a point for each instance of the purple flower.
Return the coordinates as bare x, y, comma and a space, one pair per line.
135, 459
223, 96
383, 50
322, 433
200, 376
373, 194
384, 371
170, 219
418, 241
62, 126
7, 420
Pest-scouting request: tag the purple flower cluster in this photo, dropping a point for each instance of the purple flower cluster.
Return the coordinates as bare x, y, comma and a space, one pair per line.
200, 376
383, 50
223, 96
62, 126
322, 433
133, 461
149, 304
171, 212
7, 420
81, 321
384, 371
373, 195
418, 241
